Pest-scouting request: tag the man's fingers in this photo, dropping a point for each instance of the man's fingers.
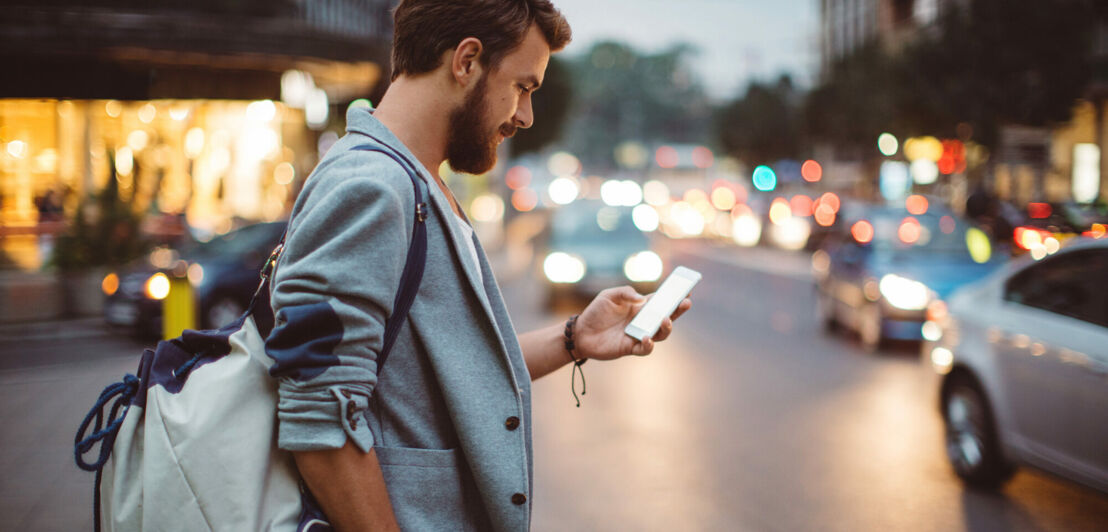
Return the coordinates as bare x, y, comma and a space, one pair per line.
682, 308
643, 348
664, 330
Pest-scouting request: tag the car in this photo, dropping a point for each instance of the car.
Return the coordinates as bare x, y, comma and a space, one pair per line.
589, 246
222, 271
1025, 369
880, 276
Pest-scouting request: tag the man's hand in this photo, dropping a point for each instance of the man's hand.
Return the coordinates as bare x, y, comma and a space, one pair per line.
599, 332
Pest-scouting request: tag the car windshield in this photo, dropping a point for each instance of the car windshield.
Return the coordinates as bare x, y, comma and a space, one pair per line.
590, 226
252, 238
903, 233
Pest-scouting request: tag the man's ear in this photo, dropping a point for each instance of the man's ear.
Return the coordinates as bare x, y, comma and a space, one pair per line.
465, 66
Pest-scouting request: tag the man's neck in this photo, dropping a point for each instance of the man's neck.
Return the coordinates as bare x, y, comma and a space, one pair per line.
413, 111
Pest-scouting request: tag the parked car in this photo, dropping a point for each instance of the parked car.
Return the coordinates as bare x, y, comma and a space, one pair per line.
222, 271
879, 277
589, 246
1026, 369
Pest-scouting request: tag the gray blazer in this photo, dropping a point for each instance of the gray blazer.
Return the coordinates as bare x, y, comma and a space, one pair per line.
449, 414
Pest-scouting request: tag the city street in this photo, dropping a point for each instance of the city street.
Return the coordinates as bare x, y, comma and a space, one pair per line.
748, 418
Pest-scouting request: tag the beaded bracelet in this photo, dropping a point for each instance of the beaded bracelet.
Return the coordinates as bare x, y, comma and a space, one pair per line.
577, 362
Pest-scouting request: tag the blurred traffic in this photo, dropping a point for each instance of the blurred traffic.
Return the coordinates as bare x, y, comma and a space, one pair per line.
222, 274
933, 181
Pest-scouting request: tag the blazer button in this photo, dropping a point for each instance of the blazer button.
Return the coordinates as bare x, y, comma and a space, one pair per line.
512, 423
519, 499
351, 415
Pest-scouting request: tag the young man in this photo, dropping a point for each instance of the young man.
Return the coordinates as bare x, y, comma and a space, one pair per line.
440, 436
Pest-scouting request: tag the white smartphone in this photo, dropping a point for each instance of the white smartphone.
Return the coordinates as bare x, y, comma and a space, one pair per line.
664, 301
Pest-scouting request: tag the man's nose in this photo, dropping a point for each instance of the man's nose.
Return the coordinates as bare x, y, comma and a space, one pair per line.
524, 116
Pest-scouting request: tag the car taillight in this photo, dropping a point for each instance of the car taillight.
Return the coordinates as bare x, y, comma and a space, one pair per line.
1029, 237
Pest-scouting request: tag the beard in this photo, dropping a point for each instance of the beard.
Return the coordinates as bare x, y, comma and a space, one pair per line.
471, 145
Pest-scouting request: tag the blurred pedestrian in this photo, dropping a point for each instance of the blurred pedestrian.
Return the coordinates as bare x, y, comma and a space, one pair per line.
440, 437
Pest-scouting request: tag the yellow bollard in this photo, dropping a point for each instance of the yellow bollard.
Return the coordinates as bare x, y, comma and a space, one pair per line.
178, 308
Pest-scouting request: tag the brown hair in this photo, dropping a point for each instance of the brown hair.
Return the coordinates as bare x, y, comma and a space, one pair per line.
424, 29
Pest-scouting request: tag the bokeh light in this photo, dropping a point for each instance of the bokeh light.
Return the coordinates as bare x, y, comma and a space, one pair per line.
645, 218
801, 205
702, 157
862, 231
284, 173
655, 192
487, 208
1039, 210
723, 198
916, 204
764, 178
689, 220
887, 144
563, 163
947, 224
666, 157
909, 231
746, 229
980, 248
524, 200
824, 215
779, 211
811, 171
924, 171
517, 177
831, 200
563, 190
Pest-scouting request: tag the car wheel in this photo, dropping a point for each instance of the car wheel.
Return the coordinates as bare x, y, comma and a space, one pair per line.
972, 445
869, 327
224, 311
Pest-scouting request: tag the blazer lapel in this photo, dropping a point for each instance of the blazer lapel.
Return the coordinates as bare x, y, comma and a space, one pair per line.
460, 248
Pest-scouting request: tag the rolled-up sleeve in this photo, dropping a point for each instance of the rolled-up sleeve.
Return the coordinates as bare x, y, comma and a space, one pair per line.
333, 289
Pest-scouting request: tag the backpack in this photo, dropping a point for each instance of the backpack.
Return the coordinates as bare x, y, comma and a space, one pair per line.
189, 442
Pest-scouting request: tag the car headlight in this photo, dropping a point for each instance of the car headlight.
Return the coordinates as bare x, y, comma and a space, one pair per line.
644, 266
110, 284
904, 293
157, 286
562, 267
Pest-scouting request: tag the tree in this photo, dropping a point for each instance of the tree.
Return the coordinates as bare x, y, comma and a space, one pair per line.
622, 95
987, 64
762, 126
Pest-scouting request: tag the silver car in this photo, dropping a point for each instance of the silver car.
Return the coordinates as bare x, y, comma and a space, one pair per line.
1024, 355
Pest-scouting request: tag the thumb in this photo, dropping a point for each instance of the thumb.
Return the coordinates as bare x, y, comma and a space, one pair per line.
625, 294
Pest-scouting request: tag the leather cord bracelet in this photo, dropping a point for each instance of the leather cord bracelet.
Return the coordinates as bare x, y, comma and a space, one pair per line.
577, 362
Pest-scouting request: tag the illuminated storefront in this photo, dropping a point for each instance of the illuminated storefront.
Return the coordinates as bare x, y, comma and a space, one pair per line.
184, 108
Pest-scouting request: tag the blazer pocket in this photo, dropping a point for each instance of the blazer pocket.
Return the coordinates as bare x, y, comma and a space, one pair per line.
428, 489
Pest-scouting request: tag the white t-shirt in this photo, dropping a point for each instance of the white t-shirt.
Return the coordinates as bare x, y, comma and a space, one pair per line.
467, 232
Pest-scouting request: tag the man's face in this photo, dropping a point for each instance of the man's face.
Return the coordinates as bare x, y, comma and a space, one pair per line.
498, 104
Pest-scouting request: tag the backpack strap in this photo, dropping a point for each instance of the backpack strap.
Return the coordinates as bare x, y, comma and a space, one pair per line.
414, 265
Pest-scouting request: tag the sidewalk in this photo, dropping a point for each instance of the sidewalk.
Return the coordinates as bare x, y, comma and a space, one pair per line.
35, 296
41, 408
55, 329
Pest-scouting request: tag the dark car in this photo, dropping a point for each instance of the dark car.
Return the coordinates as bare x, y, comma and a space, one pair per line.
223, 273
880, 276
590, 246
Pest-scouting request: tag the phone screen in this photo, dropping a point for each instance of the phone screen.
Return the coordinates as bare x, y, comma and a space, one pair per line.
663, 302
